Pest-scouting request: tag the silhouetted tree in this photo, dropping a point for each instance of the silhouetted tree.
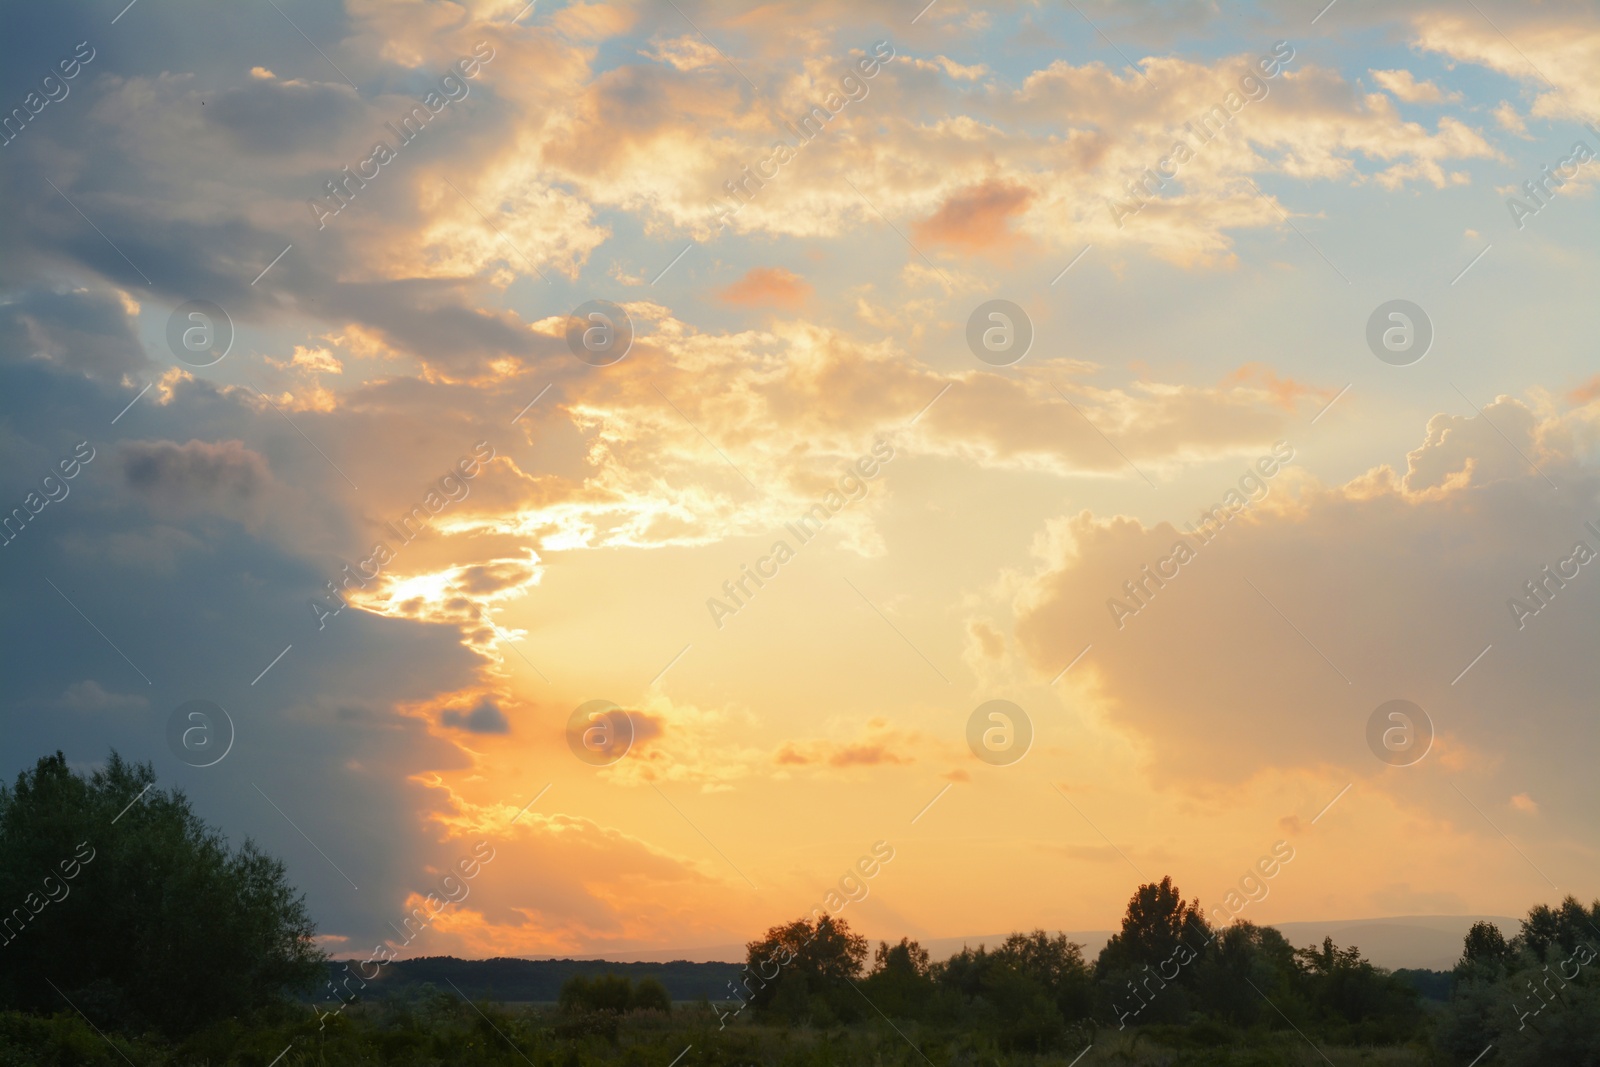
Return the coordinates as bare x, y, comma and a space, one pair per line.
1345, 988
1056, 964
803, 966
135, 909
1244, 955
1025, 991
1484, 946
899, 984
605, 992
612, 993
1565, 926
1156, 922
1146, 969
650, 995
1540, 1003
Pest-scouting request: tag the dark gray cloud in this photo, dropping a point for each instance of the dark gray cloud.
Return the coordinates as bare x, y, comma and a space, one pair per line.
486, 718
88, 332
225, 477
267, 115
196, 607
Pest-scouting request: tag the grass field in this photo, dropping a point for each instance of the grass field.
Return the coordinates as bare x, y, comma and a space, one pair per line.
443, 1032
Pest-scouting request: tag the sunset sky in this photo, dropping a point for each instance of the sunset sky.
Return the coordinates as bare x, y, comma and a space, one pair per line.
1189, 336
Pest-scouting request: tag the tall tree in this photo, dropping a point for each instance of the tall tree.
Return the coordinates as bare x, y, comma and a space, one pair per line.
801, 959
1156, 923
120, 897
1484, 945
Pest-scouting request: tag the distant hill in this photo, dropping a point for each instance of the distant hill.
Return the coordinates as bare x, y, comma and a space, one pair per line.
1426, 941
515, 980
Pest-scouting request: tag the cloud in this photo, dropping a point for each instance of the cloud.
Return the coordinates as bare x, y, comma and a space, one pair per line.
883, 745
1529, 44
430, 311
1505, 113
269, 116
767, 286
223, 478
1292, 626
486, 718
88, 695
977, 219
85, 331
1403, 84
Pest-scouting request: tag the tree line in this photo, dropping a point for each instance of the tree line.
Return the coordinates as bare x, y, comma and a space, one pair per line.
120, 905
1535, 996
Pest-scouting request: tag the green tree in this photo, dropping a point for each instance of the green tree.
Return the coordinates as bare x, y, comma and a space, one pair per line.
607, 992
1246, 955
131, 906
1484, 946
803, 961
1025, 991
1156, 923
1146, 970
612, 993
1565, 926
1539, 1003
900, 985
1346, 989
650, 995
1056, 964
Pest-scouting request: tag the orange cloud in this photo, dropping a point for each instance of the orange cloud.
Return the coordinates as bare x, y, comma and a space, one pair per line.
878, 749
767, 286
865, 755
977, 219
1586, 392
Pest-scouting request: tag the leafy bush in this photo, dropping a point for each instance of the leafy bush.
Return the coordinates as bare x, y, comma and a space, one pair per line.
612, 994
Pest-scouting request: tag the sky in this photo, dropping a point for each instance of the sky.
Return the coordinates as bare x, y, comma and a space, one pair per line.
427, 372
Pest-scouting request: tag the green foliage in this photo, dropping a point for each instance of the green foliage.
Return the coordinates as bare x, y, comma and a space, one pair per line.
651, 995
135, 909
1430, 985
805, 970
1156, 923
1485, 947
1241, 968
1354, 998
900, 984
614, 994
1536, 997
1026, 991
540, 981
442, 1030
